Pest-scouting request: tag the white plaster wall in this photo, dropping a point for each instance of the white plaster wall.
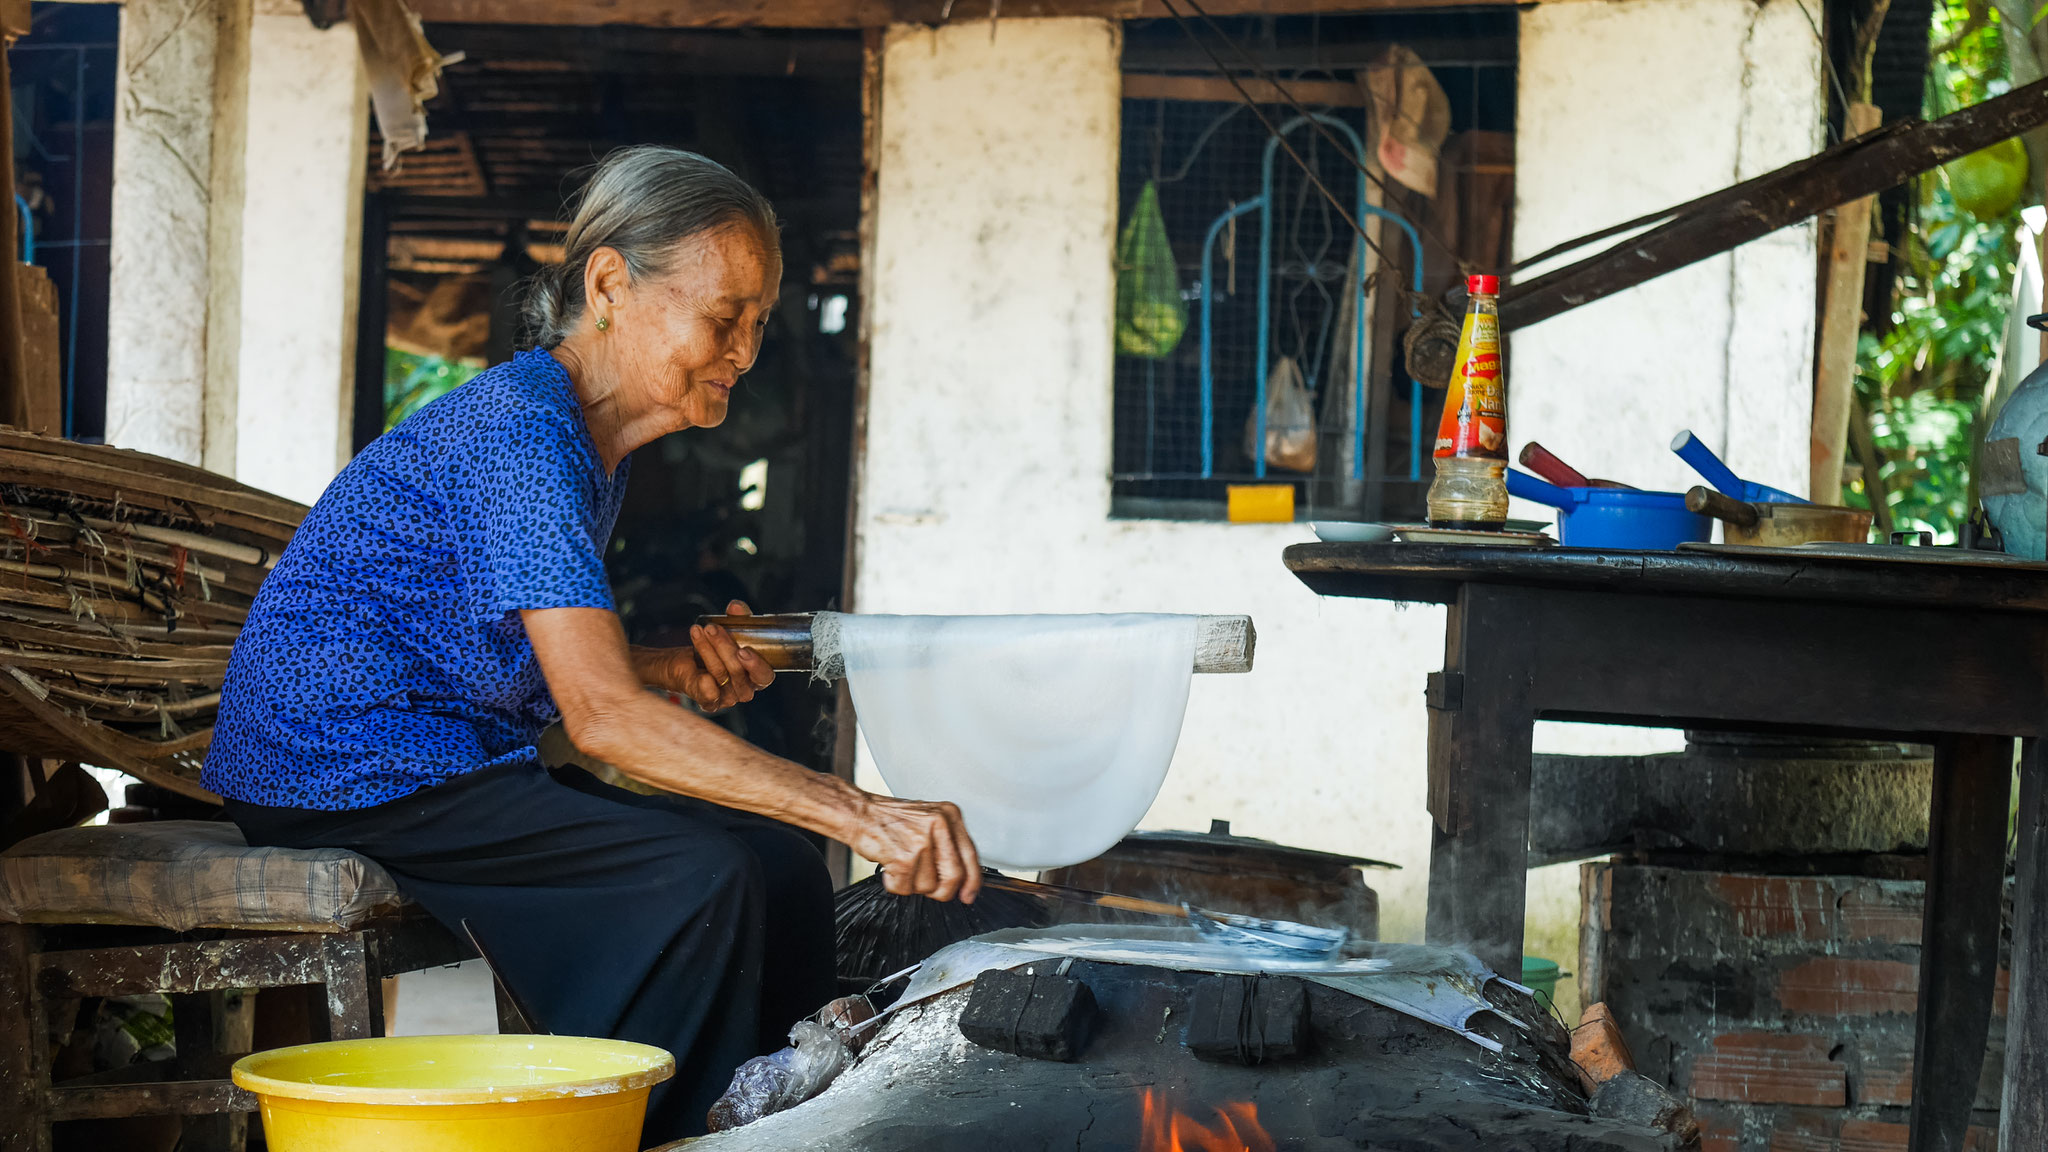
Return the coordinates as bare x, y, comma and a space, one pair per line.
238, 176
1625, 107
158, 283
1687, 96
300, 243
984, 484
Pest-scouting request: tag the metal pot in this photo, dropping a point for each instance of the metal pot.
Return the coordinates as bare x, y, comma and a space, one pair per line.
1227, 873
1777, 525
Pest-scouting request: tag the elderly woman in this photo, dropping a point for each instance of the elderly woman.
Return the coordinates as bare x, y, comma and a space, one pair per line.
446, 599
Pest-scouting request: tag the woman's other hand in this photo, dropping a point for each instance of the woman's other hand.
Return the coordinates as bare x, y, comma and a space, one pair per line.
598, 682
923, 848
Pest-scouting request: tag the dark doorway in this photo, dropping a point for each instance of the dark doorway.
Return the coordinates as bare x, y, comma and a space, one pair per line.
62, 86
753, 510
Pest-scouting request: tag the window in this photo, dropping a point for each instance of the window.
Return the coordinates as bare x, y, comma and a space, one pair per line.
1270, 272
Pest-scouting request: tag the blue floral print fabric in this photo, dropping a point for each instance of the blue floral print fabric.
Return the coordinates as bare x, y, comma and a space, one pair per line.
385, 653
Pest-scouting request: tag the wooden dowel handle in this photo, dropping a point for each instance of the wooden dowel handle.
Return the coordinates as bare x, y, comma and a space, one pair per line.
1700, 498
1543, 462
784, 641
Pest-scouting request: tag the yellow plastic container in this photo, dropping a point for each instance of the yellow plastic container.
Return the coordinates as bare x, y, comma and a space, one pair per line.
1260, 503
455, 1094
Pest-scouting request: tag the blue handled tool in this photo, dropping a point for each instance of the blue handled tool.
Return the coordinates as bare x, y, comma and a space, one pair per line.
1528, 487
1691, 450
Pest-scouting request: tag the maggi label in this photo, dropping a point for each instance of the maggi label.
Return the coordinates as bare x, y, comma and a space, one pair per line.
1475, 421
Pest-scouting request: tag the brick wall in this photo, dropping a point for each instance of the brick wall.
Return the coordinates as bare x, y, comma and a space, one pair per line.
1783, 1005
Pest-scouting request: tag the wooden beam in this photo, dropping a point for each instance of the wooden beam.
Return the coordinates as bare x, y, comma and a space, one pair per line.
1215, 89
1733, 216
1841, 322
863, 13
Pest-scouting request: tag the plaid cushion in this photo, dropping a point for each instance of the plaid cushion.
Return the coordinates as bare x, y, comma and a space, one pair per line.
186, 874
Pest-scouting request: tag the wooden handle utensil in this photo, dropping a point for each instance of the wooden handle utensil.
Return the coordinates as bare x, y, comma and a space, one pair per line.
1702, 499
1545, 463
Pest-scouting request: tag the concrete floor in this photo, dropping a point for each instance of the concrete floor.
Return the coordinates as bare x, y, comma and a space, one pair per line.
446, 1002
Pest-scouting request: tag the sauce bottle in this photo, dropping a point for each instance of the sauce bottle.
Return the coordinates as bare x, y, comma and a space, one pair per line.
1470, 490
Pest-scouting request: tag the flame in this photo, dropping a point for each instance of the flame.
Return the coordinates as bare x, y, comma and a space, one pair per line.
1164, 1128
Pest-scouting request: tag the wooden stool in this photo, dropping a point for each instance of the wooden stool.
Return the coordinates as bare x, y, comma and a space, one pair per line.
186, 909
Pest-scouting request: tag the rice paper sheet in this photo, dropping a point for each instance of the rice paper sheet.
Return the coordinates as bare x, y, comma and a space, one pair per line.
1052, 733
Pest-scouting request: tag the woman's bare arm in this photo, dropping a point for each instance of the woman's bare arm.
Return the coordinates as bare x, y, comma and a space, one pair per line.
922, 847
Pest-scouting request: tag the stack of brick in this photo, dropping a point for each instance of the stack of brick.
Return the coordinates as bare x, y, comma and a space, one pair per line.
1782, 1005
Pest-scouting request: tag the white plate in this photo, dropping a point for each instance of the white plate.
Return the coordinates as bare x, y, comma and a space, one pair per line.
1423, 534
1351, 532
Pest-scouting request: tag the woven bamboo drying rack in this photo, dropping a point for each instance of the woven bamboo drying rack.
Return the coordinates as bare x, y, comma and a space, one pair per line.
124, 579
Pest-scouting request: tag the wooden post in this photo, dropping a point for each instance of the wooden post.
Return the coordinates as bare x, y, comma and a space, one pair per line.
1959, 935
1841, 321
2023, 1110
24, 1070
14, 383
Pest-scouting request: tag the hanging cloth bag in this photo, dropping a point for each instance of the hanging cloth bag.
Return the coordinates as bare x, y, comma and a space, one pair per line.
1290, 420
1150, 315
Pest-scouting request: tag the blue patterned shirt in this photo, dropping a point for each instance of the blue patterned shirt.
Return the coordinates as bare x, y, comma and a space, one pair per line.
385, 654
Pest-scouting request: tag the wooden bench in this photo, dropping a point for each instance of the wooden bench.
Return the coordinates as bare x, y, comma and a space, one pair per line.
186, 909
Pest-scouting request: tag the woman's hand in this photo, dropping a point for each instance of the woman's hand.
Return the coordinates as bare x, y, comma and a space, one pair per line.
727, 674
923, 848
714, 671
598, 682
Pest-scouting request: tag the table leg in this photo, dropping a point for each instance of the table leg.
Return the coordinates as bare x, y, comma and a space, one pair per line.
1481, 729
2023, 1108
1959, 934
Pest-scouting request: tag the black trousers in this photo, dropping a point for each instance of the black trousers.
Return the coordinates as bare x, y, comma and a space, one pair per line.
660, 920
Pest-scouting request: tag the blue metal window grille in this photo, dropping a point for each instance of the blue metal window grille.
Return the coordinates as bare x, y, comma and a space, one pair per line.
1268, 270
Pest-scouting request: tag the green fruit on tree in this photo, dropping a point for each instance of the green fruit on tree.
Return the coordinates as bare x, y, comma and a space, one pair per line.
1987, 183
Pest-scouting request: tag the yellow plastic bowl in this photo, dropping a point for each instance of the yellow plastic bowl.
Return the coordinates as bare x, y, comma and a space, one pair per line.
455, 1094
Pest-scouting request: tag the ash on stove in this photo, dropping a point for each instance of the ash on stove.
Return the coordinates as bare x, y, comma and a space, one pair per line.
1370, 1076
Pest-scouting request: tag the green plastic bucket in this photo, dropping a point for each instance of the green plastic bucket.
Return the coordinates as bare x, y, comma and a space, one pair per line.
1540, 976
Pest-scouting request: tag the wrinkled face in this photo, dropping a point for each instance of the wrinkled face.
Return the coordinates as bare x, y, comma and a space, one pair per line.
682, 340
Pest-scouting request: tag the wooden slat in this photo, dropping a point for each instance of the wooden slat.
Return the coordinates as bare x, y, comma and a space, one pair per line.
1217, 90
863, 13
146, 465
183, 1086
260, 962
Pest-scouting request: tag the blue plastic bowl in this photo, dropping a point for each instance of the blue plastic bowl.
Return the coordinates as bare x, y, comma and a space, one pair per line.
1624, 518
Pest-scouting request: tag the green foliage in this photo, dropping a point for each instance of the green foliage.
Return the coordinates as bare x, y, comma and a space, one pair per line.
1923, 381
411, 382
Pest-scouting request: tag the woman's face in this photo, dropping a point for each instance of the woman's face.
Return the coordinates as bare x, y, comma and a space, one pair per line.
681, 340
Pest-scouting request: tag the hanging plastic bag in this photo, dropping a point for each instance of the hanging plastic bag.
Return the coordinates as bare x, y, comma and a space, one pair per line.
1150, 315
1290, 421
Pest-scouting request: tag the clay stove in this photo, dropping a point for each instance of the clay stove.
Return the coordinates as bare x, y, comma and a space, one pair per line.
1370, 1078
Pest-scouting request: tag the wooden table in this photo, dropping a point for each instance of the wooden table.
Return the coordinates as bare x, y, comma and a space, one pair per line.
1946, 654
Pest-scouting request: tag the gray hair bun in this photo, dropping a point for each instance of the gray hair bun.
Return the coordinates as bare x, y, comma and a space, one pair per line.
642, 202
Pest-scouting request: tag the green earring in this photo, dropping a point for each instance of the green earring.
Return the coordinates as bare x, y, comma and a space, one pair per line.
603, 323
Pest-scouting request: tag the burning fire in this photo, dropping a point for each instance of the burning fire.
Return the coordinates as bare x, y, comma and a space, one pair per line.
1164, 1128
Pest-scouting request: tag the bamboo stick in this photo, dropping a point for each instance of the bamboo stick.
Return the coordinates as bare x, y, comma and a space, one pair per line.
1223, 644
1834, 380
